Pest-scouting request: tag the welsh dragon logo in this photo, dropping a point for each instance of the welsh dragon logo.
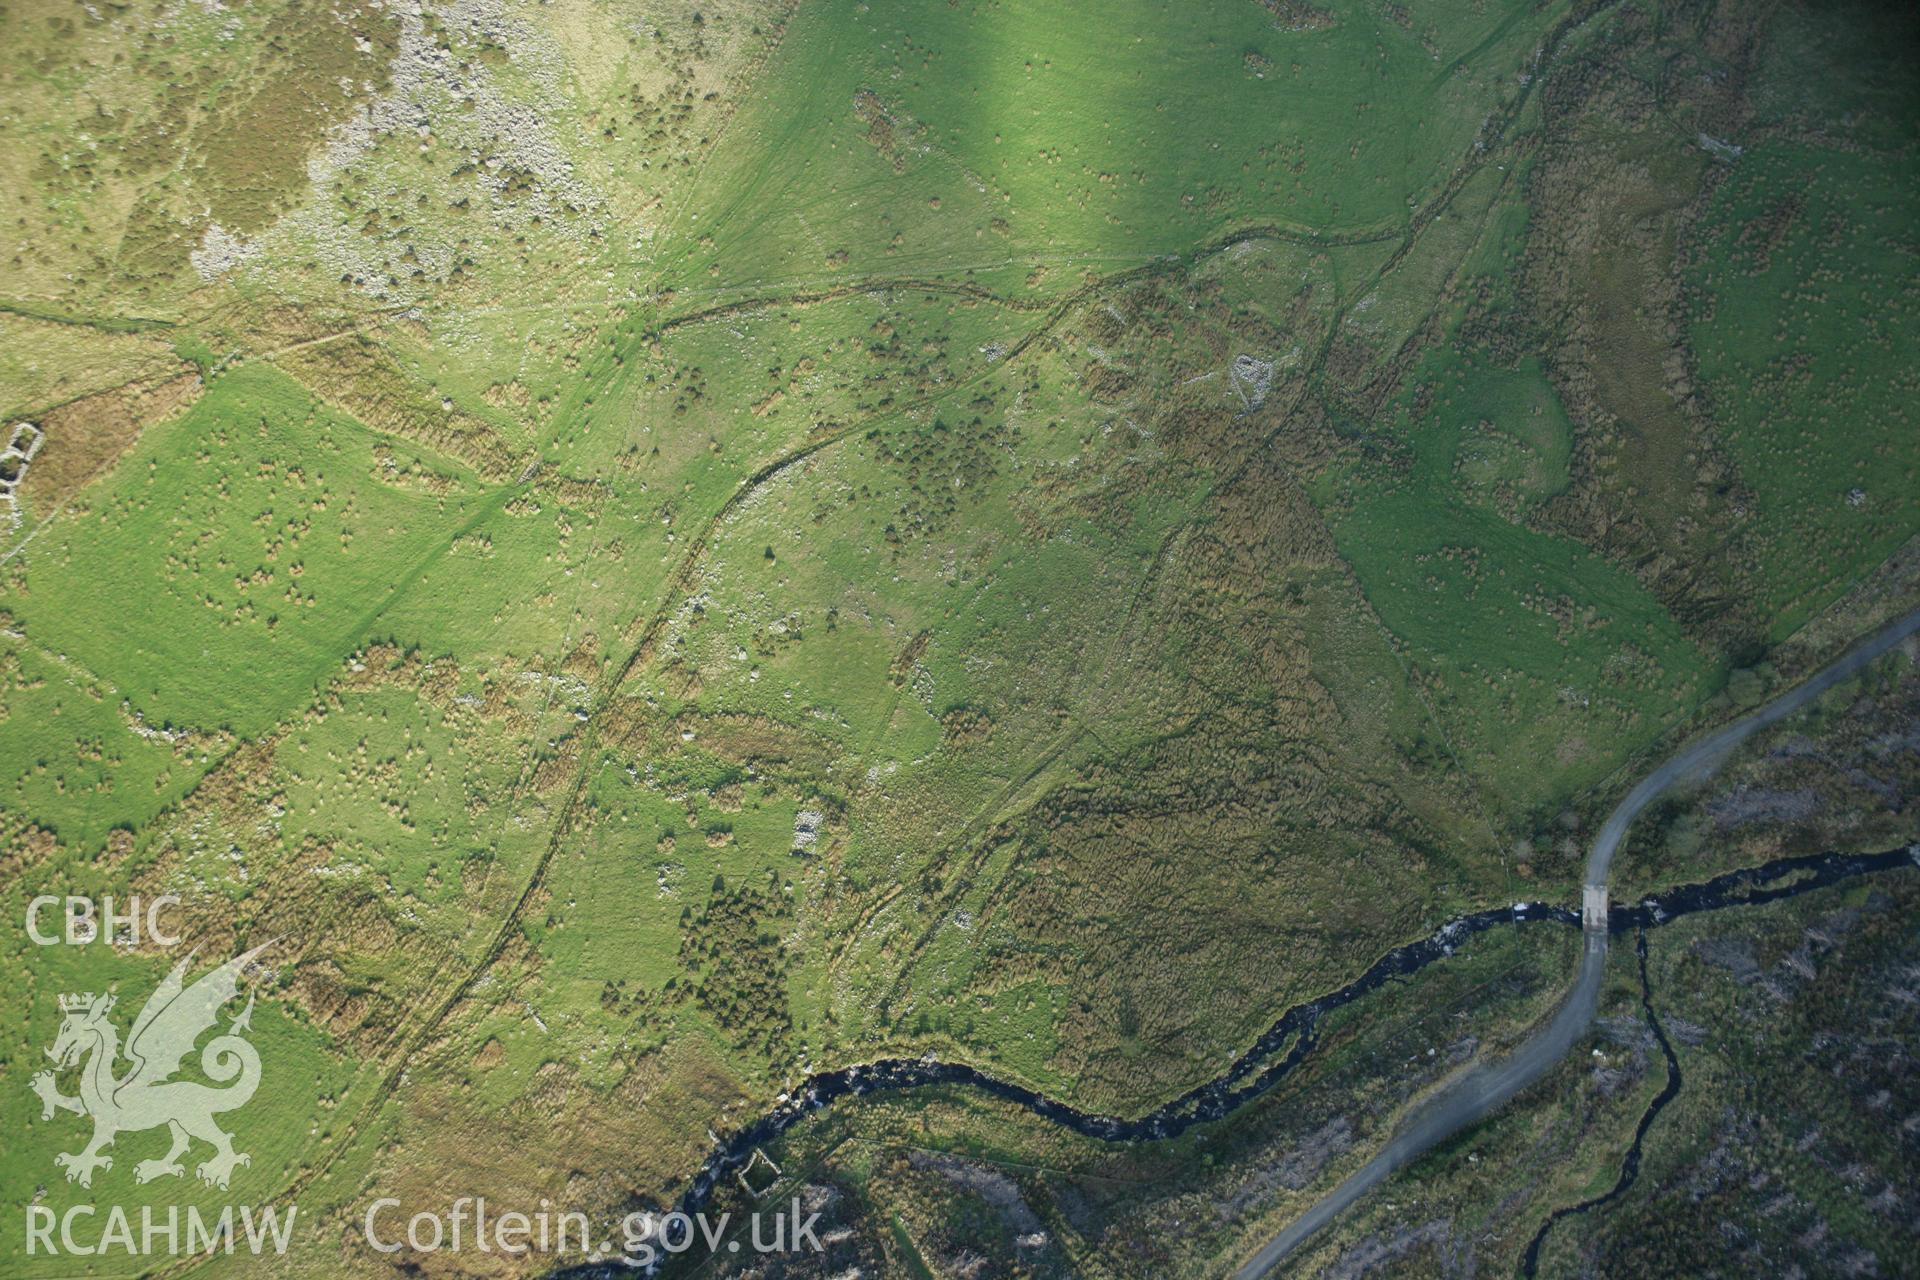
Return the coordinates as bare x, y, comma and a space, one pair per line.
146, 1096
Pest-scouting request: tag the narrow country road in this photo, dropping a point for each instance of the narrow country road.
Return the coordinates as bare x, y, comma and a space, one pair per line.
1487, 1087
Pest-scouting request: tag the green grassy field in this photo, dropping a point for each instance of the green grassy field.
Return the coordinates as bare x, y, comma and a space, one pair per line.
1003, 139
1810, 360
236, 557
665, 551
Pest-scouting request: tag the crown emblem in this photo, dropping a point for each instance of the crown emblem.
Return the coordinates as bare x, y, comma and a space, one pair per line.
77, 1002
